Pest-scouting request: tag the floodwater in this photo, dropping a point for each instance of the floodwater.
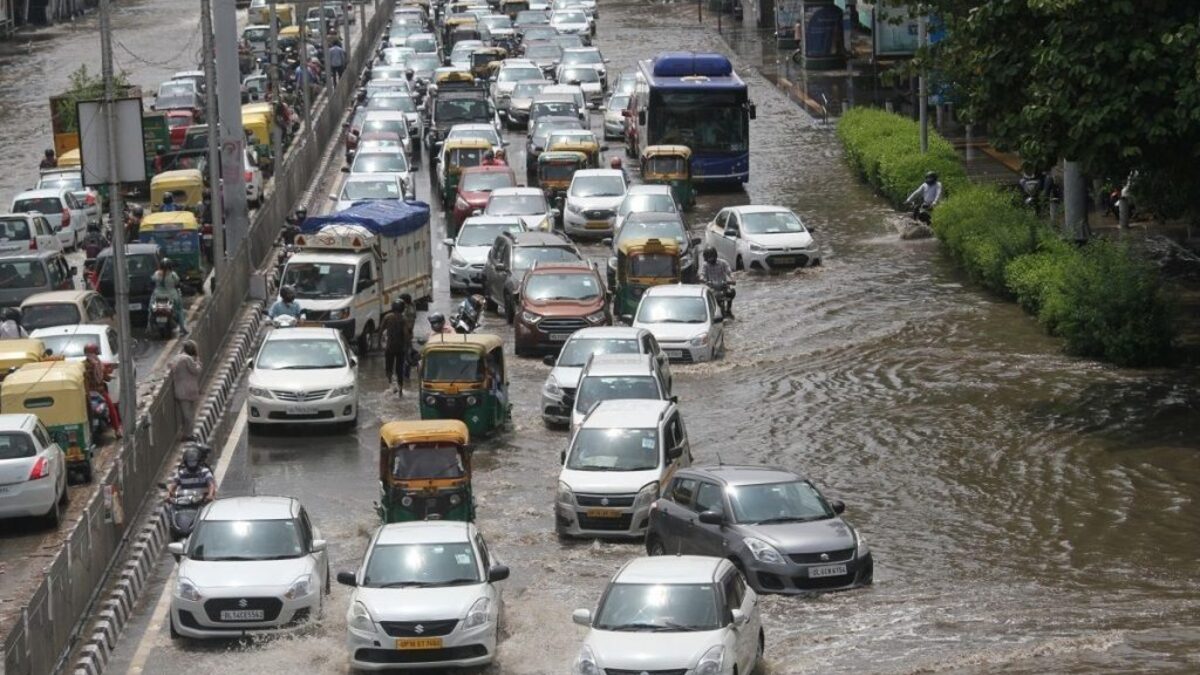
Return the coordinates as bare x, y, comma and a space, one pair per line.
1028, 512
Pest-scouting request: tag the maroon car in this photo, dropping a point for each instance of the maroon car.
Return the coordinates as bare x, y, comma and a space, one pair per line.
474, 187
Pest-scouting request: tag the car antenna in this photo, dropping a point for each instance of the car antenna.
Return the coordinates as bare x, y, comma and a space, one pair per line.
719, 462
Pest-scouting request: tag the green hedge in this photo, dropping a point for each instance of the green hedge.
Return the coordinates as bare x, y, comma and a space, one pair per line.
886, 150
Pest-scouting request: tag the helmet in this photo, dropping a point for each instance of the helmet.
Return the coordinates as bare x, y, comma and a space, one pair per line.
287, 294
397, 305
49, 152
500, 154
301, 213
137, 211
489, 155
168, 263
168, 198
931, 177
407, 298
191, 459
12, 314
710, 254
615, 162
91, 348
437, 320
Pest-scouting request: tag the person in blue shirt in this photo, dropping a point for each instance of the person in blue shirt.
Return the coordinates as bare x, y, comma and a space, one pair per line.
286, 304
169, 203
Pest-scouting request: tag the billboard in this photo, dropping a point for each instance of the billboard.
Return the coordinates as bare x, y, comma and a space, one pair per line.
94, 142
894, 32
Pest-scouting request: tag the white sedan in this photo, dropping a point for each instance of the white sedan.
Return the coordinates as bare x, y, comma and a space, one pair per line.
69, 342
686, 321
762, 238
425, 596
675, 614
303, 375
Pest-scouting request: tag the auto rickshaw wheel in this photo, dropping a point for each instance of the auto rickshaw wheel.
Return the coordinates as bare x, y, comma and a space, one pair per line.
85, 474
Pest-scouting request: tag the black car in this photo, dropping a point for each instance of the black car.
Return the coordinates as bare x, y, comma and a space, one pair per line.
774, 524
457, 106
142, 260
540, 126
512, 255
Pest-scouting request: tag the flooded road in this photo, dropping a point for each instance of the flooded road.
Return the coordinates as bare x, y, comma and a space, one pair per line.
1028, 512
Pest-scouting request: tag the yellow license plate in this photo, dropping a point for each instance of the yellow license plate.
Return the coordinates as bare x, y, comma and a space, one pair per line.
604, 513
597, 224
418, 643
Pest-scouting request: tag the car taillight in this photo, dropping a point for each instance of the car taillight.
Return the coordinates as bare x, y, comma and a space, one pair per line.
249, 176
33, 244
90, 199
41, 469
66, 218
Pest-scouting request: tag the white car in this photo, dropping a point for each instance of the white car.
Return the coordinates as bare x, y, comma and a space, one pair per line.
688, 614
65, 214
645, 198
383, 162
618, 458
368, 187
395, 121
528, 204
762, 238
511, 72
254, 179
27, 232
592, 202
614, 116
572, 22
588, 56
611, 377
303, 374
686, 321
425, 596
469, 250
460, 55
558, 392
251, 565
584, 77
33, 471
72, 179
69, 341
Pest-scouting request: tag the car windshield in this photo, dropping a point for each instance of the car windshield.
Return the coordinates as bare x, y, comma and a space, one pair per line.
554, 109
389, 72
618, 102
371, 189
424, 63
497, 21
427, 460
300, 355
586, 75
672, 309
398, 127
140, 267
562, 17
50, 206
771, 223
516, 74
245, 540
534, 33
577, 351
422, 45
395, 102
12, 229
597, 186
44, 316
466, 109
571, 286
381, 162
647, 202
595, 388
532, 17
569, 136
795, 501
451, 366
516, 205
22, 274
665, 608
614, 450
311, 280
529, 89
548, 52
16, 445
485, 181
69, 181
525, 256
420, 565
69, 346
588, 57
484, 234
172, 89
636, 228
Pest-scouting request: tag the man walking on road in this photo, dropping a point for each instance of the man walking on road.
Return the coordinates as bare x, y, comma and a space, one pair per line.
337, 60
398, 338
185, 373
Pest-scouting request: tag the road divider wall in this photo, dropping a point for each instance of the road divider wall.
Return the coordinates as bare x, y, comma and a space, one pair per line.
48, 625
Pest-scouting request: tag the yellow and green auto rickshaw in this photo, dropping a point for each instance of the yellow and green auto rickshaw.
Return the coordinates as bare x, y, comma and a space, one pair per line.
425, 471
54, 391
670, 165
483, 57
463, 377
180, 238
642, 263
555, 169
258, 121
459, 154
580, 143
16, 353
513, 7
185, 185
459, 28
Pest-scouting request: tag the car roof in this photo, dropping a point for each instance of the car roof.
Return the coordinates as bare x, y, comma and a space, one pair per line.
677, 290
132, 249
493, 220
587, 173
669, 569
17, 422
581, 49
58, 297
575, 267
629, 413
474, 126
73, 329
302, 333
372, 177
425, 532
252, 508
523, 63
745, 474
648, 190
13, 255
760, 208
612, 365
518, 191
539, 239
607, 333
40, 192
655, 217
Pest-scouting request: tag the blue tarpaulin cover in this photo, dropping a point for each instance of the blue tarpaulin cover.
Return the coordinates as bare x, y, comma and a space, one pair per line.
384, 217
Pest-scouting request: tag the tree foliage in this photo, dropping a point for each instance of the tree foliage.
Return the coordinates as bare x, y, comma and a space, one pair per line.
83, 86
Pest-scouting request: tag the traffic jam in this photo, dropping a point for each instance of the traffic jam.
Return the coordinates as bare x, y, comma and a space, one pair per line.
567, 193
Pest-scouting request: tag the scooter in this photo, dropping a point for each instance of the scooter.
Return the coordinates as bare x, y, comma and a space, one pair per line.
725, 293
98, 417
465, 319
182, 510
162, 315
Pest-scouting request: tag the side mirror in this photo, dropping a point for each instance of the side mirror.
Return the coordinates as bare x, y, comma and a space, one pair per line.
718, 318
562, 457
318, 545
548, 360
175, 548
555, 213
448, 242
811, 228
498, 573
500, 267
250, 363
607, 241
732, 232
332, 197
642, 117
626, 113
753, 111
674, 399
604, 148
739, 617
477, 212
353, 362
712, 518
582, 617
347, 579
695, 241
627, 318
74, 271
839, 506
345, 169
675, 452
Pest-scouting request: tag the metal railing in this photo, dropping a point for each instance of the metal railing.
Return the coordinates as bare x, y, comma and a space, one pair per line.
44, 630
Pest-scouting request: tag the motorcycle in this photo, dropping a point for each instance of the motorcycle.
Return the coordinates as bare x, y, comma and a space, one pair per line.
98, 417
465, 319
921, 213
162, 314
725, 293
182, 510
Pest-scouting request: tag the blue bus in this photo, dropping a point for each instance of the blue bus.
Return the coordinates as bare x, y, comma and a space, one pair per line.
695, 99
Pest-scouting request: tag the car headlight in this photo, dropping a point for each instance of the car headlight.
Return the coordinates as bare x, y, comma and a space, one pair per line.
478, 614
699, 341
342, 391
755, 248
763, 552
461, 203
574, 208
530, 317
646, 495
471, 400
187, 590
598, 317
360, 619
458, 263
712, 661
430, 400
302, 586
565, 495
551, 389
338, 314
259, 392
861, 545
585, 663
546, 225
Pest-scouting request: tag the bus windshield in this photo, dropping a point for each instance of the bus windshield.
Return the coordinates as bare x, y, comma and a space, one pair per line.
705, 121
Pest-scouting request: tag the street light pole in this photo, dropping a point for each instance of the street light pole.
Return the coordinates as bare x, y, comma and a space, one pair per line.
273, 79
923, 83
214, 145
304, 83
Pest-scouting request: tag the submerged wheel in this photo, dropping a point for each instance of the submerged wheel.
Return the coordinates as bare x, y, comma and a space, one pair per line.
654, 546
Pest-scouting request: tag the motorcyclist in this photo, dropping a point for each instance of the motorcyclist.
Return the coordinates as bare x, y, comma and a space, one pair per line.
191, 474
717, 275
293, 226
10, 328
286, 304
96, 378
49, 161
133, 224
94, 241
615, 163
166, 282
471, 308
437, 324
930, 193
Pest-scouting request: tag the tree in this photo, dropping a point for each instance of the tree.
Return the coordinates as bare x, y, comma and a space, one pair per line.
84, 86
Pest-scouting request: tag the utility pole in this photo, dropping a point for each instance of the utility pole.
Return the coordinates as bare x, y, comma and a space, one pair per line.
923, 82
1075, 202
273, 78
346, 15
305, 85
117, 224
233, 138
362, 23
324, 28
214, 146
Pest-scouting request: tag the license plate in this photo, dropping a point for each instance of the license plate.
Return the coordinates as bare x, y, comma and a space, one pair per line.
242, 615
299, 410
597, 224
675, 353
5, 489
559, 337
135, 305
603, 513
784, 260
826, 571
418, 643
161, 320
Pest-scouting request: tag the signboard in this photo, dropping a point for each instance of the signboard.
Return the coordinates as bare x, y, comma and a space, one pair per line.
94, 142
894, 33
155, 133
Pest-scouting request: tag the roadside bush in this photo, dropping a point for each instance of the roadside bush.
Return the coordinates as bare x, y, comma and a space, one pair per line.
886, 150
984, 230
1031, 278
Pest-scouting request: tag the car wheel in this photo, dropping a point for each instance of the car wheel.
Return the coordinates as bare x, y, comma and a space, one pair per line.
654, 546
739, 266
363, 344
174, 633
54, 516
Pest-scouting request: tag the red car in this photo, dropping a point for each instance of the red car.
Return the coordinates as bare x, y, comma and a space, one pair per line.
475, 185
178, 122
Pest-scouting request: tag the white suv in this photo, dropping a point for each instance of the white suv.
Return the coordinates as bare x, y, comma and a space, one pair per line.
33, 471
615, 466
592, 202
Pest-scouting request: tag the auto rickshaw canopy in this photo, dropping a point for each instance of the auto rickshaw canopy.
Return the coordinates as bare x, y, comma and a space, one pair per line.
185, 185
16, 353
52, 390
259, 125
394, 434
452, 76
578, 145
290, 32
170, 220
644, 258
70, 159
667, 161
478, 342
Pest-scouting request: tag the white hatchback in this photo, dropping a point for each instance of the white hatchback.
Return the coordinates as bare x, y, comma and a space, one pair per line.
686, 321
678, 614
425, 596
592, 202
762, 238
66, 215
33, 471
69, 341
303, 375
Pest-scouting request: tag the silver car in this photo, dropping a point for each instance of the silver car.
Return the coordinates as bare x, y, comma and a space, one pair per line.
558, 392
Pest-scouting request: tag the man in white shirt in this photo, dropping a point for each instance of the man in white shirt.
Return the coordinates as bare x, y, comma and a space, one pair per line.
930, 191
